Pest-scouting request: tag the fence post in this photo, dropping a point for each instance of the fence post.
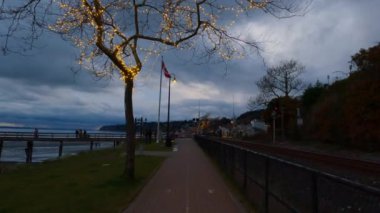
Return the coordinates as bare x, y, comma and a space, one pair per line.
266, 196
221, 155
1, 147
245, 169
29, 151
114, 144
91, 145
314, 191
233, 162
225, 157
60, 149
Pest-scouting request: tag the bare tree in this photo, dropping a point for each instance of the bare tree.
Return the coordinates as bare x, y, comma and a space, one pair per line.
115, 36
282, 80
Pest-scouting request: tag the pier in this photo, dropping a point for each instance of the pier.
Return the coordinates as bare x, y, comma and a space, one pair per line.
61, 138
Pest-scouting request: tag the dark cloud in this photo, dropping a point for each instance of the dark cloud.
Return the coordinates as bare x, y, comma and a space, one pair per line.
51, 64
41, 89
69, 120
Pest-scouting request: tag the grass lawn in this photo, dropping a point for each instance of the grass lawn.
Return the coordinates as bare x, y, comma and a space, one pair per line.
153, 146
88, 182
157, 147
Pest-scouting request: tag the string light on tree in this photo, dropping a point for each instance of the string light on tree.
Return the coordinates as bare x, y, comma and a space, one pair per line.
109, 33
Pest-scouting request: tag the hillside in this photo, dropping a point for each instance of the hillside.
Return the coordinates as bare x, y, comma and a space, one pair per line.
349, 111
247, 117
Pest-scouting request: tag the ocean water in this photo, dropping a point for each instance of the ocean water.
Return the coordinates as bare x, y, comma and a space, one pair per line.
14, 151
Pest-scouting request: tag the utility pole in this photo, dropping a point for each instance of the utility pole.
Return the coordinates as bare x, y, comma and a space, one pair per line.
282, 124
274, 126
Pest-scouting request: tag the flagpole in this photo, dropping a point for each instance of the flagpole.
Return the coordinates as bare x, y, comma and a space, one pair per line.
158, 135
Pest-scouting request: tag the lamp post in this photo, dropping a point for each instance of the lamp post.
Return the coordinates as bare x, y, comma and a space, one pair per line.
168, 142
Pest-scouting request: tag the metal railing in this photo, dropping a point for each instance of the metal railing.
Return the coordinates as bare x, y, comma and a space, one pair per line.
67, 138
52, 135
276, 185
60, 135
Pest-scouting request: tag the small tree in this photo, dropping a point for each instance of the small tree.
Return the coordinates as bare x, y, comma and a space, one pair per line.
367, 59
288, 125
115, 36
312, 94
281, 81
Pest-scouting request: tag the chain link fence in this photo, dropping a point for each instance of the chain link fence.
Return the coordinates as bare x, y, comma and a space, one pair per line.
276, 185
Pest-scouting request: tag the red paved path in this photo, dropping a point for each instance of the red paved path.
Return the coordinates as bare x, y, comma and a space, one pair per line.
186, 182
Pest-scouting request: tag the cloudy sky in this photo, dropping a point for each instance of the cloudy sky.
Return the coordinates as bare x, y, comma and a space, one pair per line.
41, 89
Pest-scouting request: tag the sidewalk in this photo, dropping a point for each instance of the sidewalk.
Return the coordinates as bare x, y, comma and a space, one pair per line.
186, 182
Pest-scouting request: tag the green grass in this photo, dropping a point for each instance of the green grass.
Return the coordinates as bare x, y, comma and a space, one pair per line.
89, 182
153, 146
157, 147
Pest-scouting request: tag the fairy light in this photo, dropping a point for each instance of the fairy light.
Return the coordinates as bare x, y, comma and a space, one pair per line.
89, 25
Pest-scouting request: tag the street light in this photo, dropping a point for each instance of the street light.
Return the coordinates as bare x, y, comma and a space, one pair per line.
168, 142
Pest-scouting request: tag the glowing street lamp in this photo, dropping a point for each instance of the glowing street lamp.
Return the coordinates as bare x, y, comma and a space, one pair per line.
168, 142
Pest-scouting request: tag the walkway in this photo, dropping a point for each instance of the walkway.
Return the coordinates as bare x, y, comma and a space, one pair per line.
186, 182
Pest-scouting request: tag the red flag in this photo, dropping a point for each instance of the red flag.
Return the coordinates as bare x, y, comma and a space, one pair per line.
166, 72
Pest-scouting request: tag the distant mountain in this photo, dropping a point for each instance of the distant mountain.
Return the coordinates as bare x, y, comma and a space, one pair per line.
15, 127
116, 128
175, 125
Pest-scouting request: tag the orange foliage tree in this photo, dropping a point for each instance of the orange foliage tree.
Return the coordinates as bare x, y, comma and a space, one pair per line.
349, 111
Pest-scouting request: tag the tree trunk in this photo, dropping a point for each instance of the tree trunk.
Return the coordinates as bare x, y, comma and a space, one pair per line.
129, 170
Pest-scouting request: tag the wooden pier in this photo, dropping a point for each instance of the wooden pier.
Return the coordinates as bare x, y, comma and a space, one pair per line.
30, 138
